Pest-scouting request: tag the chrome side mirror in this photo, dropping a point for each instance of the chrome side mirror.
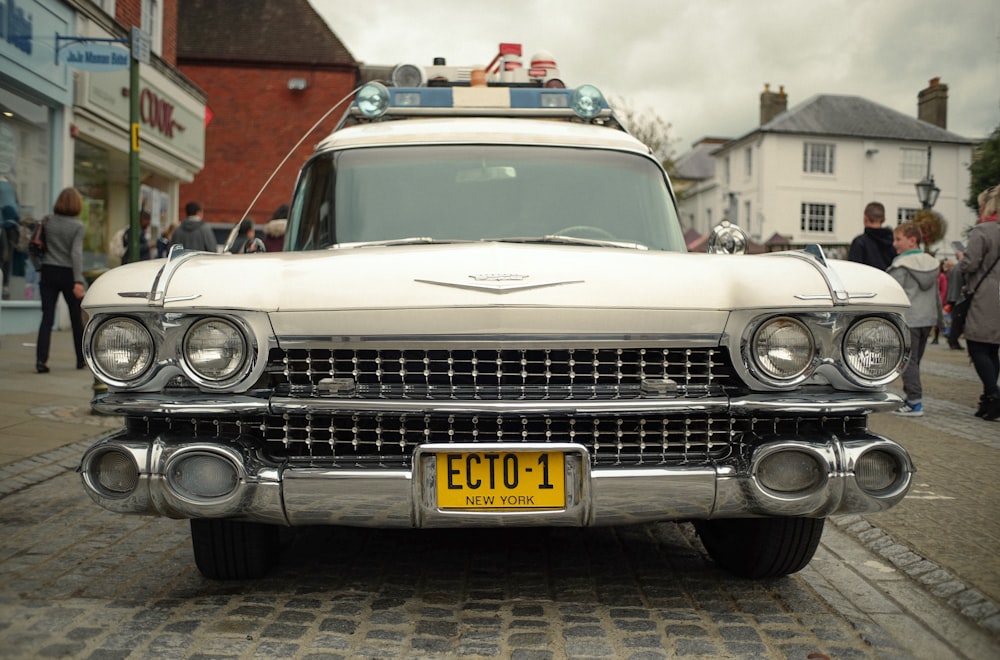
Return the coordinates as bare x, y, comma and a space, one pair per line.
727, 238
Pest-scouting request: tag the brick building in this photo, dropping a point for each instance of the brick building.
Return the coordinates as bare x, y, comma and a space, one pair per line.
271, 69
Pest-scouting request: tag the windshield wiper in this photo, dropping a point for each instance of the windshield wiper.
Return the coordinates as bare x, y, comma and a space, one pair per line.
569, 240
412, 240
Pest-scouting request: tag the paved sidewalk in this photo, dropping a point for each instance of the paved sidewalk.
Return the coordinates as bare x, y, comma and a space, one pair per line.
42, 412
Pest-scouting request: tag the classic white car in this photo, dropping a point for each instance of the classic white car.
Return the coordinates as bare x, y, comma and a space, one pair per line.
486, 315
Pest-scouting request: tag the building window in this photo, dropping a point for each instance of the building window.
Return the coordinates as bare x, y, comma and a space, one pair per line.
905, 215
725, 169
817, 217
749, 162
912, 164
817, 157
152, 24
746, 214
708, 216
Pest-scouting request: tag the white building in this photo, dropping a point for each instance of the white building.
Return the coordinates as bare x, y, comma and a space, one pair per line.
805, 175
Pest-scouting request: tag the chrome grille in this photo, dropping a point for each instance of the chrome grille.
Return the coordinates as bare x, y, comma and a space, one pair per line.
500, 373
388, 440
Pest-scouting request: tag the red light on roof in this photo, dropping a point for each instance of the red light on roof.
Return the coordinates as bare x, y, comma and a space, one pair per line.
510, 49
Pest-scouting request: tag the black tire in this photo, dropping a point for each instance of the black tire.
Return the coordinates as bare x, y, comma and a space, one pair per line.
234, 550
761, 547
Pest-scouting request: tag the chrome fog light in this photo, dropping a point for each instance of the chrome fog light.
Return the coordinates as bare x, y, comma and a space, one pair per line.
115, 472
789, 472
783, 348
202, 476
215, 349
873, 349
122, 349
876, 471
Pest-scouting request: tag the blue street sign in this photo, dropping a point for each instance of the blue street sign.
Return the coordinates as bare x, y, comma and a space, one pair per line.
95, 56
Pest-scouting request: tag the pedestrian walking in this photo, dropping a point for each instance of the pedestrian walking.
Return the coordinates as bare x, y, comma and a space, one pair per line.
955, 282
192, 233
982, 327
145, 219
942, 290
274, 230
61, 272
246, 240
917, 272
874, 247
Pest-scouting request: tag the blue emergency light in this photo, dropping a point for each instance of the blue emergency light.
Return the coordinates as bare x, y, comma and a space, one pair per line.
375, 100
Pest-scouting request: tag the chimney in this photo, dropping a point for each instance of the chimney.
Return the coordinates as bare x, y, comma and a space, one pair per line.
932, 104
772, 104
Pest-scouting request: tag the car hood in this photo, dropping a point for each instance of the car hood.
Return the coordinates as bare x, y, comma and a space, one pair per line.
490, 287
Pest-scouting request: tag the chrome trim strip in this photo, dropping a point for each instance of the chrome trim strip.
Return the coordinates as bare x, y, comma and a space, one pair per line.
837, 403
459, 341
175, 258
292, 405
135, 404
838, 293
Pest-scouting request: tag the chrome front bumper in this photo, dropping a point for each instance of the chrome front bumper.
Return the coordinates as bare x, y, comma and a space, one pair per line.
404, 498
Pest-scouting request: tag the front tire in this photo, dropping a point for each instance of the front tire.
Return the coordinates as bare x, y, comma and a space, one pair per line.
234, 550
761, 547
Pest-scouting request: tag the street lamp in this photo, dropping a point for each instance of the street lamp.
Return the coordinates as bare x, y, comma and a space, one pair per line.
927, 192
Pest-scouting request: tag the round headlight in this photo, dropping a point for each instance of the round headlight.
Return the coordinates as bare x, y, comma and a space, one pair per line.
215, 349
873, 349
783, 348
372, 100
122, 349
587, 101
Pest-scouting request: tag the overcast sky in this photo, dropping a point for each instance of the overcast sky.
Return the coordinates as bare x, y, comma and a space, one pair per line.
702, 64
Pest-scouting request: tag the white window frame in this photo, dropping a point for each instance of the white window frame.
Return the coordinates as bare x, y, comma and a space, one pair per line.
152, 24
749, 162
912, 163
905, 214
817, 217
818, 157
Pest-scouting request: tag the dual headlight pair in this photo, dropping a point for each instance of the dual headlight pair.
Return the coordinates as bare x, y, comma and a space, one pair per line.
212, 351
784, 350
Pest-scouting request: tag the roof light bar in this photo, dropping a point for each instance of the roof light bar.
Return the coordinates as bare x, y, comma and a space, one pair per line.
375, 100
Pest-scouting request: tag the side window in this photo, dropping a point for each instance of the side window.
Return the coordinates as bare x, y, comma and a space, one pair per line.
311, 218
816, 217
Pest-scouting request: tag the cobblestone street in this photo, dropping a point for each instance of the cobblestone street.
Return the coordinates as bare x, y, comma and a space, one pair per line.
918, 581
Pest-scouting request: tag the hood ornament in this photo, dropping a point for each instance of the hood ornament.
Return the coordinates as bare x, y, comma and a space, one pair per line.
498, 282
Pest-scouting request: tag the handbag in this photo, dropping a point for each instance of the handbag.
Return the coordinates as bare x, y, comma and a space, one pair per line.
960, 310
36, 246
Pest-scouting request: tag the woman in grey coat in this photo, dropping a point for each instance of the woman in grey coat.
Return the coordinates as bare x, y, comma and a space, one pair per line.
62, 272
982, 327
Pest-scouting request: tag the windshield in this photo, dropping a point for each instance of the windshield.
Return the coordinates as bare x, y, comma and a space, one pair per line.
483, 192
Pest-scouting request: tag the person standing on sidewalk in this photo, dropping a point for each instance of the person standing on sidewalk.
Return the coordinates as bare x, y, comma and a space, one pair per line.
982, 327
875, 246
917, 272
951, 296
192, 233
62, 272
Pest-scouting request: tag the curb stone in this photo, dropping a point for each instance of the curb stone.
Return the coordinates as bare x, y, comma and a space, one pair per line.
940, 583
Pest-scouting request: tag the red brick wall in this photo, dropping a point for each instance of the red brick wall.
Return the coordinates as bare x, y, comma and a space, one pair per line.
256, 120
128, 13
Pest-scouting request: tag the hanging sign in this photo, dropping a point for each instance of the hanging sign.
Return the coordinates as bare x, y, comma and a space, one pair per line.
95, 56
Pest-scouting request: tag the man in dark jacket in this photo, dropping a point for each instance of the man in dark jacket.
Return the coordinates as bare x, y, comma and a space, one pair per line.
874, 246
192, 233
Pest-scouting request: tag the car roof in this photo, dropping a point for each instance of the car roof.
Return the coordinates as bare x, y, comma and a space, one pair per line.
482, 130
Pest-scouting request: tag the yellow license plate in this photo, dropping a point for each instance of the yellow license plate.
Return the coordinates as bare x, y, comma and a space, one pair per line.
501, 480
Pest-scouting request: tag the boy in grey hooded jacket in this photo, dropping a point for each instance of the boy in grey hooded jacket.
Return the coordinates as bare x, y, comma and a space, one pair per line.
917, 272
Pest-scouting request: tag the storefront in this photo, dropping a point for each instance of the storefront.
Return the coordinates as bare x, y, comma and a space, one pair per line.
35, 93
172, 151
